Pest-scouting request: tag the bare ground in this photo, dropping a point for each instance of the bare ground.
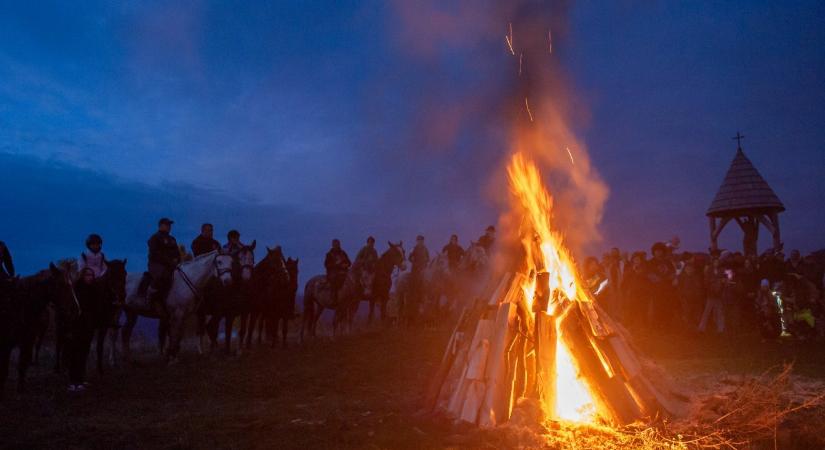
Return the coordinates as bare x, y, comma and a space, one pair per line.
357, 392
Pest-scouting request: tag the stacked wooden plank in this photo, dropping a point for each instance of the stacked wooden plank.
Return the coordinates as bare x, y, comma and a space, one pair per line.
501, 350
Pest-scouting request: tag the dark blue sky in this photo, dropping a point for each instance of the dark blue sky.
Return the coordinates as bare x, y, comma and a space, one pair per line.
297, 121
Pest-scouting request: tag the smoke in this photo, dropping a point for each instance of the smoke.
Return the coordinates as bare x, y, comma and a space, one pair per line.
528, 98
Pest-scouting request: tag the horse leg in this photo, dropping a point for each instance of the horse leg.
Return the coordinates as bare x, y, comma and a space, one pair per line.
372, 309
58, 345
5, 356
111, 333
163, 330
227, 338
126, 334
174, 332
24, 359
285, 322
262, 323
101, 342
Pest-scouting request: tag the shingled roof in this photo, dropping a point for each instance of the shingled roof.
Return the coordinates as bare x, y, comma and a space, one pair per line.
744, 190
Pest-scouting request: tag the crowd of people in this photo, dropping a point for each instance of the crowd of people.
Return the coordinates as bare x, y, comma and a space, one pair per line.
719, 292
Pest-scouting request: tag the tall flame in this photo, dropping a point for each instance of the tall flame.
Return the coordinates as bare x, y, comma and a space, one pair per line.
573, 400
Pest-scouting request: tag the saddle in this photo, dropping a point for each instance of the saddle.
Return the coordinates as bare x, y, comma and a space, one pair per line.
155, 298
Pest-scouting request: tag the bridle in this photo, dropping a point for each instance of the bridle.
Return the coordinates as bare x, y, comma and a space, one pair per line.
219, 271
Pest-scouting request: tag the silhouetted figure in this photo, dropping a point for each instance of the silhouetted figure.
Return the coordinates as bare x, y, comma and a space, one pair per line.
6, 264
336, 263
661, 273
164, 257
454, 252
205, 242
81, 328
419, 258
487, 240
233, 244
367, 256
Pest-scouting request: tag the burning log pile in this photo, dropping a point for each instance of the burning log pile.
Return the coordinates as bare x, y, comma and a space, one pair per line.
539, 335
507, 347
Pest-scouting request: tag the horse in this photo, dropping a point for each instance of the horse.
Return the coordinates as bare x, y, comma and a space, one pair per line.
22, 302
227, 301
113, 283
392, 258
269, 278
318, 296
182, 300
283, 309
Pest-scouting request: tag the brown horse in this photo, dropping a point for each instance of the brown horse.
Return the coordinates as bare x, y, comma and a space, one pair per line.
108, 312
22, 303
393, 257
269, 278
283, 308
318, 297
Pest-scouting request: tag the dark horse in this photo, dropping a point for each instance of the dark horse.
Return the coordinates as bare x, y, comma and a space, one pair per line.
393, 257
283, 309
318, 296
113, 283
22, 302
228, 301
269, 279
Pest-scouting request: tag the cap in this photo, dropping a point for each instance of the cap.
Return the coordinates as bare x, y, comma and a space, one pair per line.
166, 221
491, 228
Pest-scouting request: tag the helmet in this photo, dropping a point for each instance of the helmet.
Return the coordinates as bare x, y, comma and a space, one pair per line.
94, 239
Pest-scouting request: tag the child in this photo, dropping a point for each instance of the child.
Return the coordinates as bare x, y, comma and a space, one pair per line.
93, 257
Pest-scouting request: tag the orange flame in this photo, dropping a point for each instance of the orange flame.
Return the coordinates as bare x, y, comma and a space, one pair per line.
573, 400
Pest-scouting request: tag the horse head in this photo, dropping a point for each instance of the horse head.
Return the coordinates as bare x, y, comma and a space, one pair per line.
245, 262
275, 264
398, 255
116, 279
61, 289
223, 263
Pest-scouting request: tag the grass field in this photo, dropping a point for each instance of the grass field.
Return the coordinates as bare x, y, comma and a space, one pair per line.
361, 391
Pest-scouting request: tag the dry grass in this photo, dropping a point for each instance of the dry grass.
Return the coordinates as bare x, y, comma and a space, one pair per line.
364, 392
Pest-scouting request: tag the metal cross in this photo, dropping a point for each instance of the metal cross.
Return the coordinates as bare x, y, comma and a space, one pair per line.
739, 138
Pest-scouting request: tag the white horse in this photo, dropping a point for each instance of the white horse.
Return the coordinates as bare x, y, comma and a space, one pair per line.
183, 299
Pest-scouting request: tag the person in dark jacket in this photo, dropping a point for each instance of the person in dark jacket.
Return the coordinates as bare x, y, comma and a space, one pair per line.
164, 256
487, 240
233, 242
336, 263
454, 252
6, 264
205, 243
367, 256
662, 274
81, 328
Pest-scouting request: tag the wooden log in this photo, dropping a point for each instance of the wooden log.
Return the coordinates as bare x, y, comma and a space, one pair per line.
495, 408
437, 381
484, 331
611, 393
598, 327
496, 297
545, 339
476, 383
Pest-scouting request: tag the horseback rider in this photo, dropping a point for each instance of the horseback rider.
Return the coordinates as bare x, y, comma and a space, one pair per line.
487, 240
367, 256
337, 264
205, 243
234, 244
93, 258
454, 252
6, 264
164, 257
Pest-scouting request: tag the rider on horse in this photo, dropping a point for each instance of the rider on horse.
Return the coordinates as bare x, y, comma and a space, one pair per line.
205, 243
367, 256
488, 239
234, 244
93, 258
164, 256
337, 264
454, 252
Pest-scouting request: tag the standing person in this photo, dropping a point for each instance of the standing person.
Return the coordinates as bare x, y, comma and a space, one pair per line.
419, 258
454, 252
715, 280
367, 256
636, 288
233, 244
164, 257
6, 264
93, 258
81, 328
661, 274
691, 288
487, 240
337, 264
615, 278
205, 242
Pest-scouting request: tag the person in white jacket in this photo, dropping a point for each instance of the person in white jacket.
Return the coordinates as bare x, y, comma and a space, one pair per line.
93, 257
